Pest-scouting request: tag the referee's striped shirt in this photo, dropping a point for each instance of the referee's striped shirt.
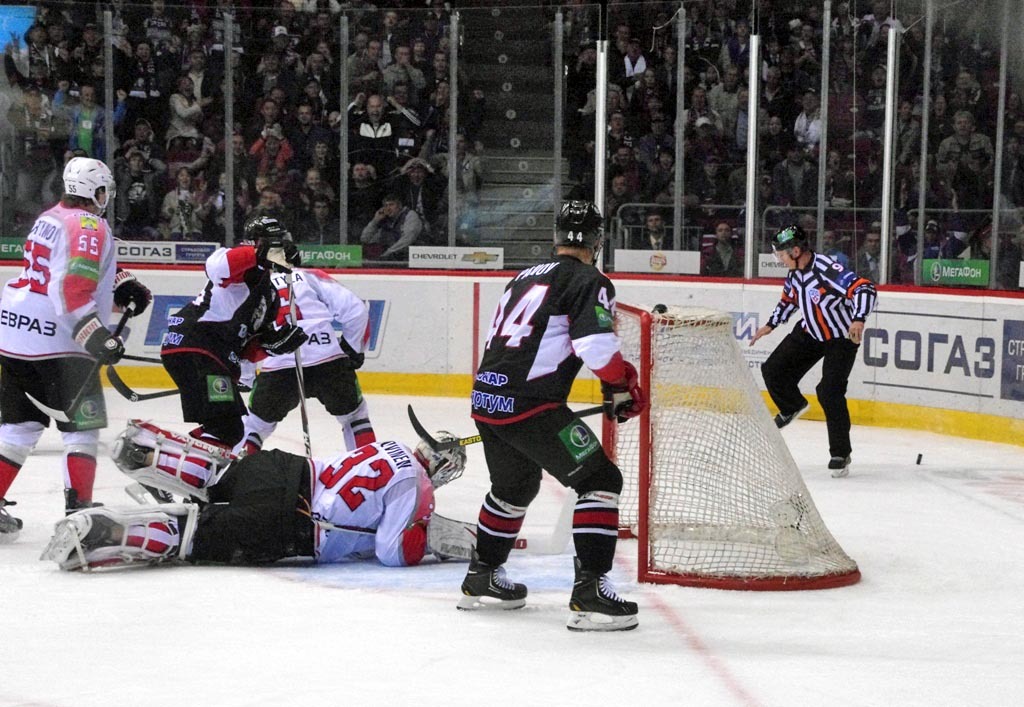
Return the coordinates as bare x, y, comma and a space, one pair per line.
830, 296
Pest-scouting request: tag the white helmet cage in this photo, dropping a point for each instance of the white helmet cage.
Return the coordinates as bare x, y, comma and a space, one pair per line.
84, 177
443, 466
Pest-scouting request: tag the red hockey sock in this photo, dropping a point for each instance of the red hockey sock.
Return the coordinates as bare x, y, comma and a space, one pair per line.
8, 470
365, 438
81, 474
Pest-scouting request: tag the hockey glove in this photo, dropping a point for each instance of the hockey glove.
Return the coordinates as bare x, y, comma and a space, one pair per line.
98, 341
624, 399
128, 290
354, 361
285, 340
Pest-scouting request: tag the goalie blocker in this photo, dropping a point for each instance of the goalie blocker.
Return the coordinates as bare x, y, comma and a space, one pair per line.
377, 501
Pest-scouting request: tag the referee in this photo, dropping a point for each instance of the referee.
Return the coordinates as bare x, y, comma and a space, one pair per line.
834, 302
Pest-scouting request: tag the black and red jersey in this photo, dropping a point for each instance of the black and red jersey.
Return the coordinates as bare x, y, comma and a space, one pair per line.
233, 306
830, 296
551, 319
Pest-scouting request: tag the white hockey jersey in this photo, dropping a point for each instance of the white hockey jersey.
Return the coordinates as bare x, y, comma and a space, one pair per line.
380, 487
68, 273
319, 301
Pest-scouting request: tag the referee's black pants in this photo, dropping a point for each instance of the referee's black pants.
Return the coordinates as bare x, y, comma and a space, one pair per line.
791, 360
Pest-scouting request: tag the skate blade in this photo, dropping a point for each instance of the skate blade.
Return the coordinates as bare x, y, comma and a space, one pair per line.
593, 621
8, 538
841, 473
489, 604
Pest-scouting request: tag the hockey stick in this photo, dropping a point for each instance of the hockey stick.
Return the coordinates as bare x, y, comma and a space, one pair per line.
298, 369
121, 387
65, 415
472, 439
143, 359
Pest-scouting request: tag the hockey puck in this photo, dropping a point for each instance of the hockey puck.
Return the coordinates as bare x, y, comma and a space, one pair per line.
919, 459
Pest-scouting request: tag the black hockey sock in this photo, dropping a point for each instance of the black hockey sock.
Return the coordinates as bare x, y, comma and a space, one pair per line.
497, 528
595, 530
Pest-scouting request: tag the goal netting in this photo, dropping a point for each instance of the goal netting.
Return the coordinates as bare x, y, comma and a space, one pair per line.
711, 490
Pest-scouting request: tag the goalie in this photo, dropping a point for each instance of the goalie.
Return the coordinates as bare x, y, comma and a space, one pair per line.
376, 501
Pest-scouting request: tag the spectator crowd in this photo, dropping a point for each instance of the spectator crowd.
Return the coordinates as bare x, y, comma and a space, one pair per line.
640, 134
169, 150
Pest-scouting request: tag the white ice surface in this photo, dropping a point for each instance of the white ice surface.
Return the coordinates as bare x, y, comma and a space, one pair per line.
938, 618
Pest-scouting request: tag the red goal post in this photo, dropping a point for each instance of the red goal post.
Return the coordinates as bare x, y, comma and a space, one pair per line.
710, 489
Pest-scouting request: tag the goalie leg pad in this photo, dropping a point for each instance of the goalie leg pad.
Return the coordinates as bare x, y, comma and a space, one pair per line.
107, 537
168, 460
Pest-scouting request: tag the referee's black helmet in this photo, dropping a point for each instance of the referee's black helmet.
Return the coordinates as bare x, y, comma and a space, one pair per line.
789, 237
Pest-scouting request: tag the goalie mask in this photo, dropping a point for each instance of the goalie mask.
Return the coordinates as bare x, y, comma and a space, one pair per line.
443, 466
169, 461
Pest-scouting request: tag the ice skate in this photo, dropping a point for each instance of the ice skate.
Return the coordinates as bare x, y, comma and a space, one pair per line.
840, 466
783, 420
486, 587
10, 527
72, 503
596, 607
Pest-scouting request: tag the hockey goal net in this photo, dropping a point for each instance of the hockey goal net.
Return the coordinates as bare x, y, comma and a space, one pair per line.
711, 491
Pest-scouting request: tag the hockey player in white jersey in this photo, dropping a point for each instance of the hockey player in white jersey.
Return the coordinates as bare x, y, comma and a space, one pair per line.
376, 501
53, 333
329, 361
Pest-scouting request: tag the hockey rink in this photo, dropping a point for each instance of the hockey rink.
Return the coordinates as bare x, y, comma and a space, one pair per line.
937, 619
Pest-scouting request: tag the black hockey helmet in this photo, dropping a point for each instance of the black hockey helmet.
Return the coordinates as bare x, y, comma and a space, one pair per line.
788, 237
579, 224
263, 226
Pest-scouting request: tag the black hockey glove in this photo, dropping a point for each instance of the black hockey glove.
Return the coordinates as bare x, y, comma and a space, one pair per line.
354, 361
128, 290
285, 340
278, 253
98, 341
624, 399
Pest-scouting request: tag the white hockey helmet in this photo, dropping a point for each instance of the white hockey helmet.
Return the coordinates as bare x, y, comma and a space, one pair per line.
445, 465
84, 177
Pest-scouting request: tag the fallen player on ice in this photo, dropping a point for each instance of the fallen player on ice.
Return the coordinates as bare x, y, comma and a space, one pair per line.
377, 501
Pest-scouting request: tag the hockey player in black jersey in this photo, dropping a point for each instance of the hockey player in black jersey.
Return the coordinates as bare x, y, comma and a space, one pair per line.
233, 317
551, 320
835, 301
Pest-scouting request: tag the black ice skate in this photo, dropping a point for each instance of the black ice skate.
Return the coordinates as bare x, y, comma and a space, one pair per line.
840, 466
72, 502
596, 607
485, 587
10, 526
783, 420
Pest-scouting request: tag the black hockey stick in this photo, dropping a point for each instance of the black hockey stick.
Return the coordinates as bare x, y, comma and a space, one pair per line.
472, 439
121, 387
142, 359
65, 415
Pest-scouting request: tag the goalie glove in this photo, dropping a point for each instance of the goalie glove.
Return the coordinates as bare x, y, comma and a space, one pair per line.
285, 340
128, 290
623, 399
95, 338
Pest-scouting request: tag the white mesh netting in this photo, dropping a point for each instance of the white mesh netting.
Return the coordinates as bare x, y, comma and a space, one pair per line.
727, 504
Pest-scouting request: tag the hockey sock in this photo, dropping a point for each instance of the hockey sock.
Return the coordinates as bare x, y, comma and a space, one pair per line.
595, 530
80, 473
16, 444
356, 427
8, 470
497, 528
